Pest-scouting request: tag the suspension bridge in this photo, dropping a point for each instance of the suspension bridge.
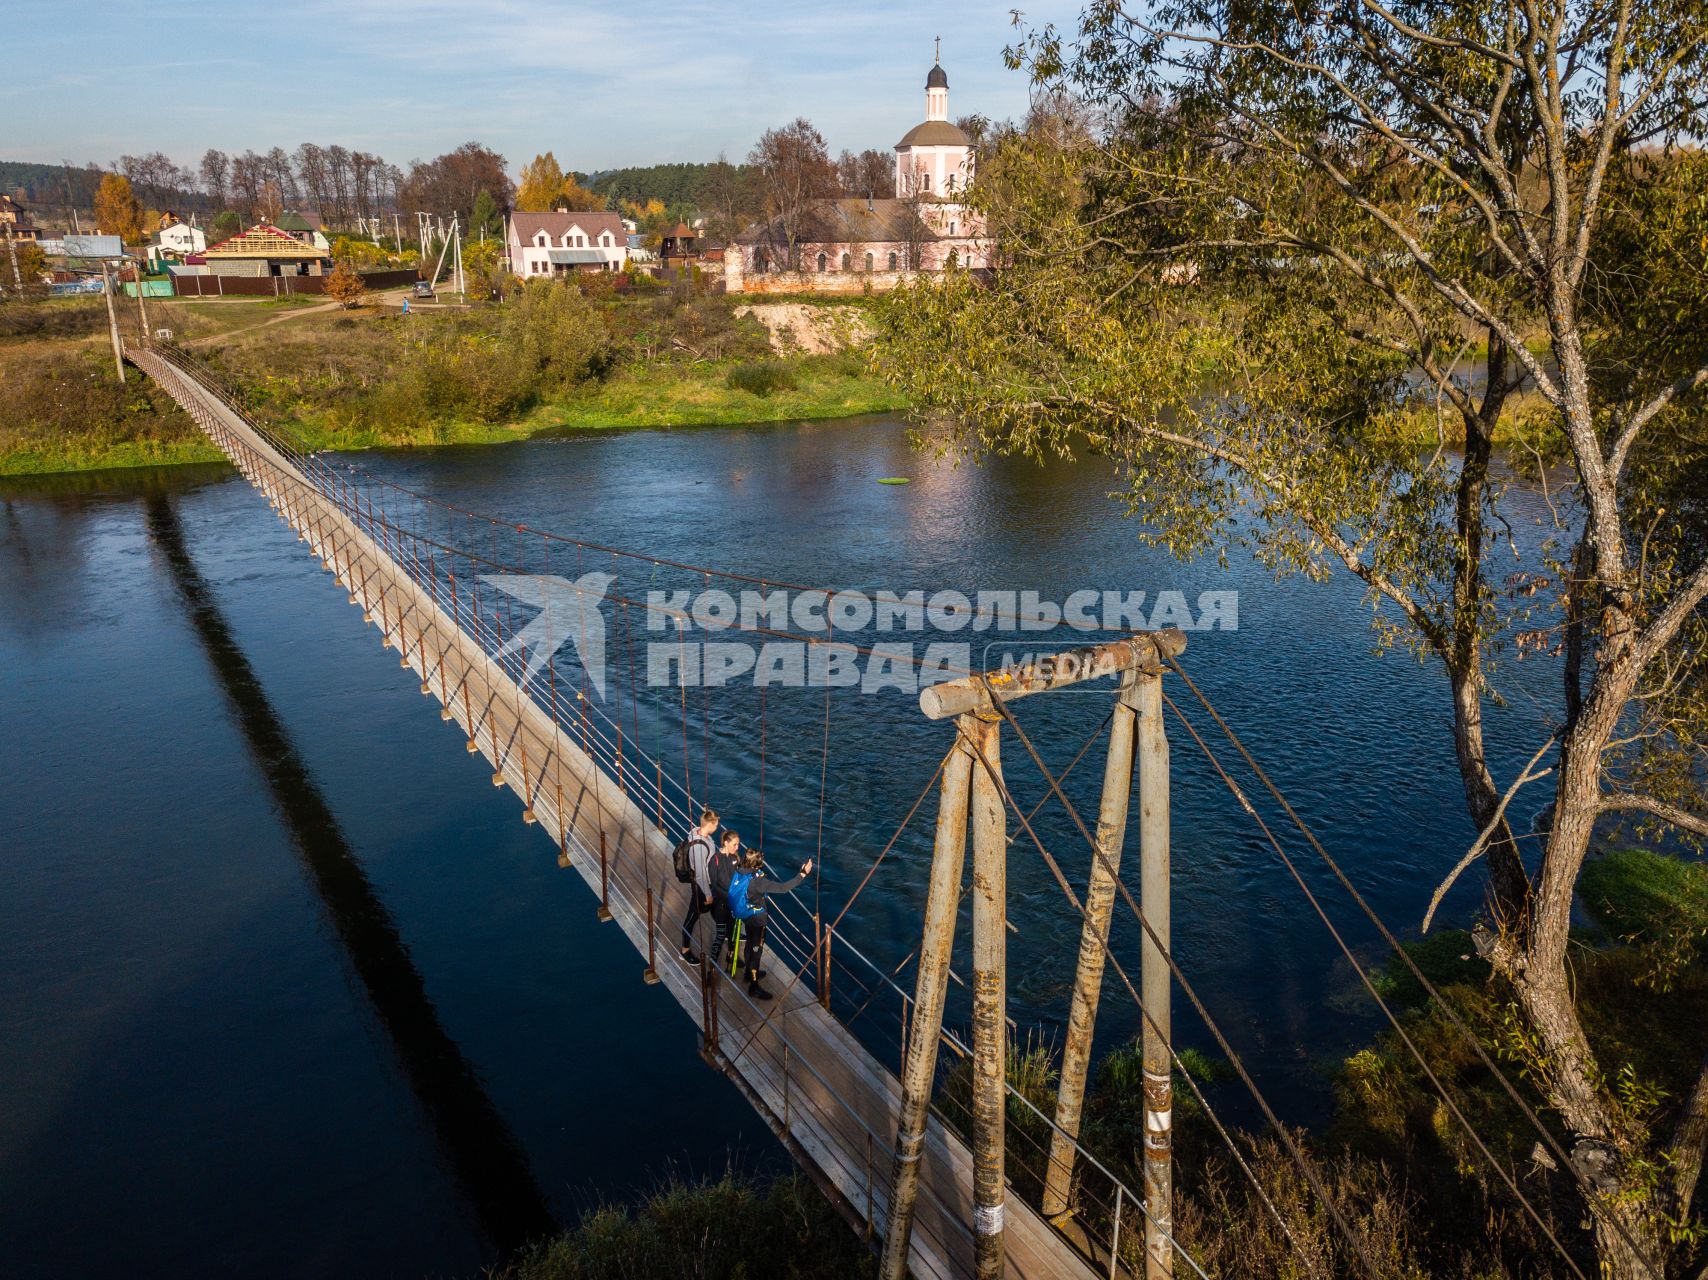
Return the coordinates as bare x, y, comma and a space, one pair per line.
937, 1195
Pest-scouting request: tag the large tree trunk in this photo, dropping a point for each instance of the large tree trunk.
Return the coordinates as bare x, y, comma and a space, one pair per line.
1627, 1217
1463, 655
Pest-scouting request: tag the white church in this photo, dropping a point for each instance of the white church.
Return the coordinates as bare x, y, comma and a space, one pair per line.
859, 243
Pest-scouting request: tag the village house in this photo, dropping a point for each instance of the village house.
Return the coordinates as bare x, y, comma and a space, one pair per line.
176, 240
305, 227
565, 242
860, 243
264, 250
15, 221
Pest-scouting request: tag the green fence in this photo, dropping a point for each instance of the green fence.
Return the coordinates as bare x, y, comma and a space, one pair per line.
161, 288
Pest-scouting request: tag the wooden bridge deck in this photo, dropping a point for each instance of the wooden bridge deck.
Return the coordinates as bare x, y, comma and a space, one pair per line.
825, 1096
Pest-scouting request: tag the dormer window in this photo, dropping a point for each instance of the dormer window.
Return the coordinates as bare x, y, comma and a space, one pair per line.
542, 240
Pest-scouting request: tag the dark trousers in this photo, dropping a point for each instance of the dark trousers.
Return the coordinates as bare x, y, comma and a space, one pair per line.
721, 917
696, 908
753, 930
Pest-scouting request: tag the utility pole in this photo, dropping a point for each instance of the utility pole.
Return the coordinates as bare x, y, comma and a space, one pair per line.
12, 253
141, 307
397, 232
113, 323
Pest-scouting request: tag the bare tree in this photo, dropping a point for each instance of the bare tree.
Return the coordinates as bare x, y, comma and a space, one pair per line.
795, 178
869, 173
248, 172
216, 178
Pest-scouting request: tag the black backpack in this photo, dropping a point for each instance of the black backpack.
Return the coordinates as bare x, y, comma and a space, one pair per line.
684, 865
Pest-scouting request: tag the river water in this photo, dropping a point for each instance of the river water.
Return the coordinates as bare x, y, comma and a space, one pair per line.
285, 986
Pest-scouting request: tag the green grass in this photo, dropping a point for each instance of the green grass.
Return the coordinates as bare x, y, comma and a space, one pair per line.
92, 456
660, 395
1637, 894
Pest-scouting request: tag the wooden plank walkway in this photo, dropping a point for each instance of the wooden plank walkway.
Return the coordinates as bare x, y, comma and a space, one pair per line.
818, 1088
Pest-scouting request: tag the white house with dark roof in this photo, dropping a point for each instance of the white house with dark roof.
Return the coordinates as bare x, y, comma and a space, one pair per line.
542, 245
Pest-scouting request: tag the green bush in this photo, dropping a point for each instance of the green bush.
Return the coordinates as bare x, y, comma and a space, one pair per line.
712, 1230
762, 377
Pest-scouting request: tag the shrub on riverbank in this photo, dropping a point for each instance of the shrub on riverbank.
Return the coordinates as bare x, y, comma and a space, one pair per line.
729, 1228
411, 379
761, 377
63, 407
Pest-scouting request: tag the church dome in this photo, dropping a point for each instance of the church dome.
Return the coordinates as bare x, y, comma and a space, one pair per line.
935, 133
938, 79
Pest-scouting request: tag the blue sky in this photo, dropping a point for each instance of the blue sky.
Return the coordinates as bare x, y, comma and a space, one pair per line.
599, 84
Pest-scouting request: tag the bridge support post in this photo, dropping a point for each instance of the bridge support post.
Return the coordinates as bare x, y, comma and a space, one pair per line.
1088, 979
990, 984
1155, 981
919, 1068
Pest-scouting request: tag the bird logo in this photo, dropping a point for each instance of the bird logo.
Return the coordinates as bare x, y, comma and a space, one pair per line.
568, 611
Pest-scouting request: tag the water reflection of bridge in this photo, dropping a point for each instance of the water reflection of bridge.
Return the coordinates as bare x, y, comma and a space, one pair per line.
484, 1157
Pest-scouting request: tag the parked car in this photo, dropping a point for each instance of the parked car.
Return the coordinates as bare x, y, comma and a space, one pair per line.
423, 289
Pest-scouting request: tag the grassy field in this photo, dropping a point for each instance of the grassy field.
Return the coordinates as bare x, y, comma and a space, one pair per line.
373, 377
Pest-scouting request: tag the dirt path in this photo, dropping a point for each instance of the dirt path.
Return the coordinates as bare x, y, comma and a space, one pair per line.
293, 314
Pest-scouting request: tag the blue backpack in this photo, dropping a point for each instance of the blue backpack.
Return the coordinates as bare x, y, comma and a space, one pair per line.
739, 906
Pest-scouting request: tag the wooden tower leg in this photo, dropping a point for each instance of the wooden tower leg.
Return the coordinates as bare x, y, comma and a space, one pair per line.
920, 1069
990, 987
1155, 981
1088, 979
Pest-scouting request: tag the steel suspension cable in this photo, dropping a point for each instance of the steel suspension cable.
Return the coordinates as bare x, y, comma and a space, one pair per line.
1356, 1239
1417, 973
1435, 1082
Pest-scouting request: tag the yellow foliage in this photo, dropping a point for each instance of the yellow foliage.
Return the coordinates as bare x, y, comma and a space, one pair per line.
541, 185
117, 210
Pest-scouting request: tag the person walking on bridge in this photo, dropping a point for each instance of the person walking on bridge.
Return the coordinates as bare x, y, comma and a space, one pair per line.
696, 859
748, 888
725, 863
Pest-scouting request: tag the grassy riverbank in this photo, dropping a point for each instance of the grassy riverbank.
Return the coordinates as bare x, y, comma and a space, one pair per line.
548, 361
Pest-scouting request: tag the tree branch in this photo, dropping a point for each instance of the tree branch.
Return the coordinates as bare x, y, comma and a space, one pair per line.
1524, 777
1642, 417
1627, 801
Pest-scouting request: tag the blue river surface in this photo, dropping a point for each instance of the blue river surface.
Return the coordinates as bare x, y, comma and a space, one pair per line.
287, 988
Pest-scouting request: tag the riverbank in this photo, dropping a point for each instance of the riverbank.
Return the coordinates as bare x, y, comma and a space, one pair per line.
376, 378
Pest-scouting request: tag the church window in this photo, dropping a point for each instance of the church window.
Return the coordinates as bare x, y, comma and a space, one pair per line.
848, 262
868, 264
823, 262
893, 261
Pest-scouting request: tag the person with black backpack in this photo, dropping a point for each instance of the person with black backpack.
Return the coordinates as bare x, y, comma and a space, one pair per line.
748, 887
692, 859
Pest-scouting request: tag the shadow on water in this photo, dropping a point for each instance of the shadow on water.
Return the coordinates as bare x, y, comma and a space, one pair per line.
487, 1161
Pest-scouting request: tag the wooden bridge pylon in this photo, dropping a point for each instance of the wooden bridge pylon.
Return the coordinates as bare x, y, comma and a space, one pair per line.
826, 1097
972, 787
